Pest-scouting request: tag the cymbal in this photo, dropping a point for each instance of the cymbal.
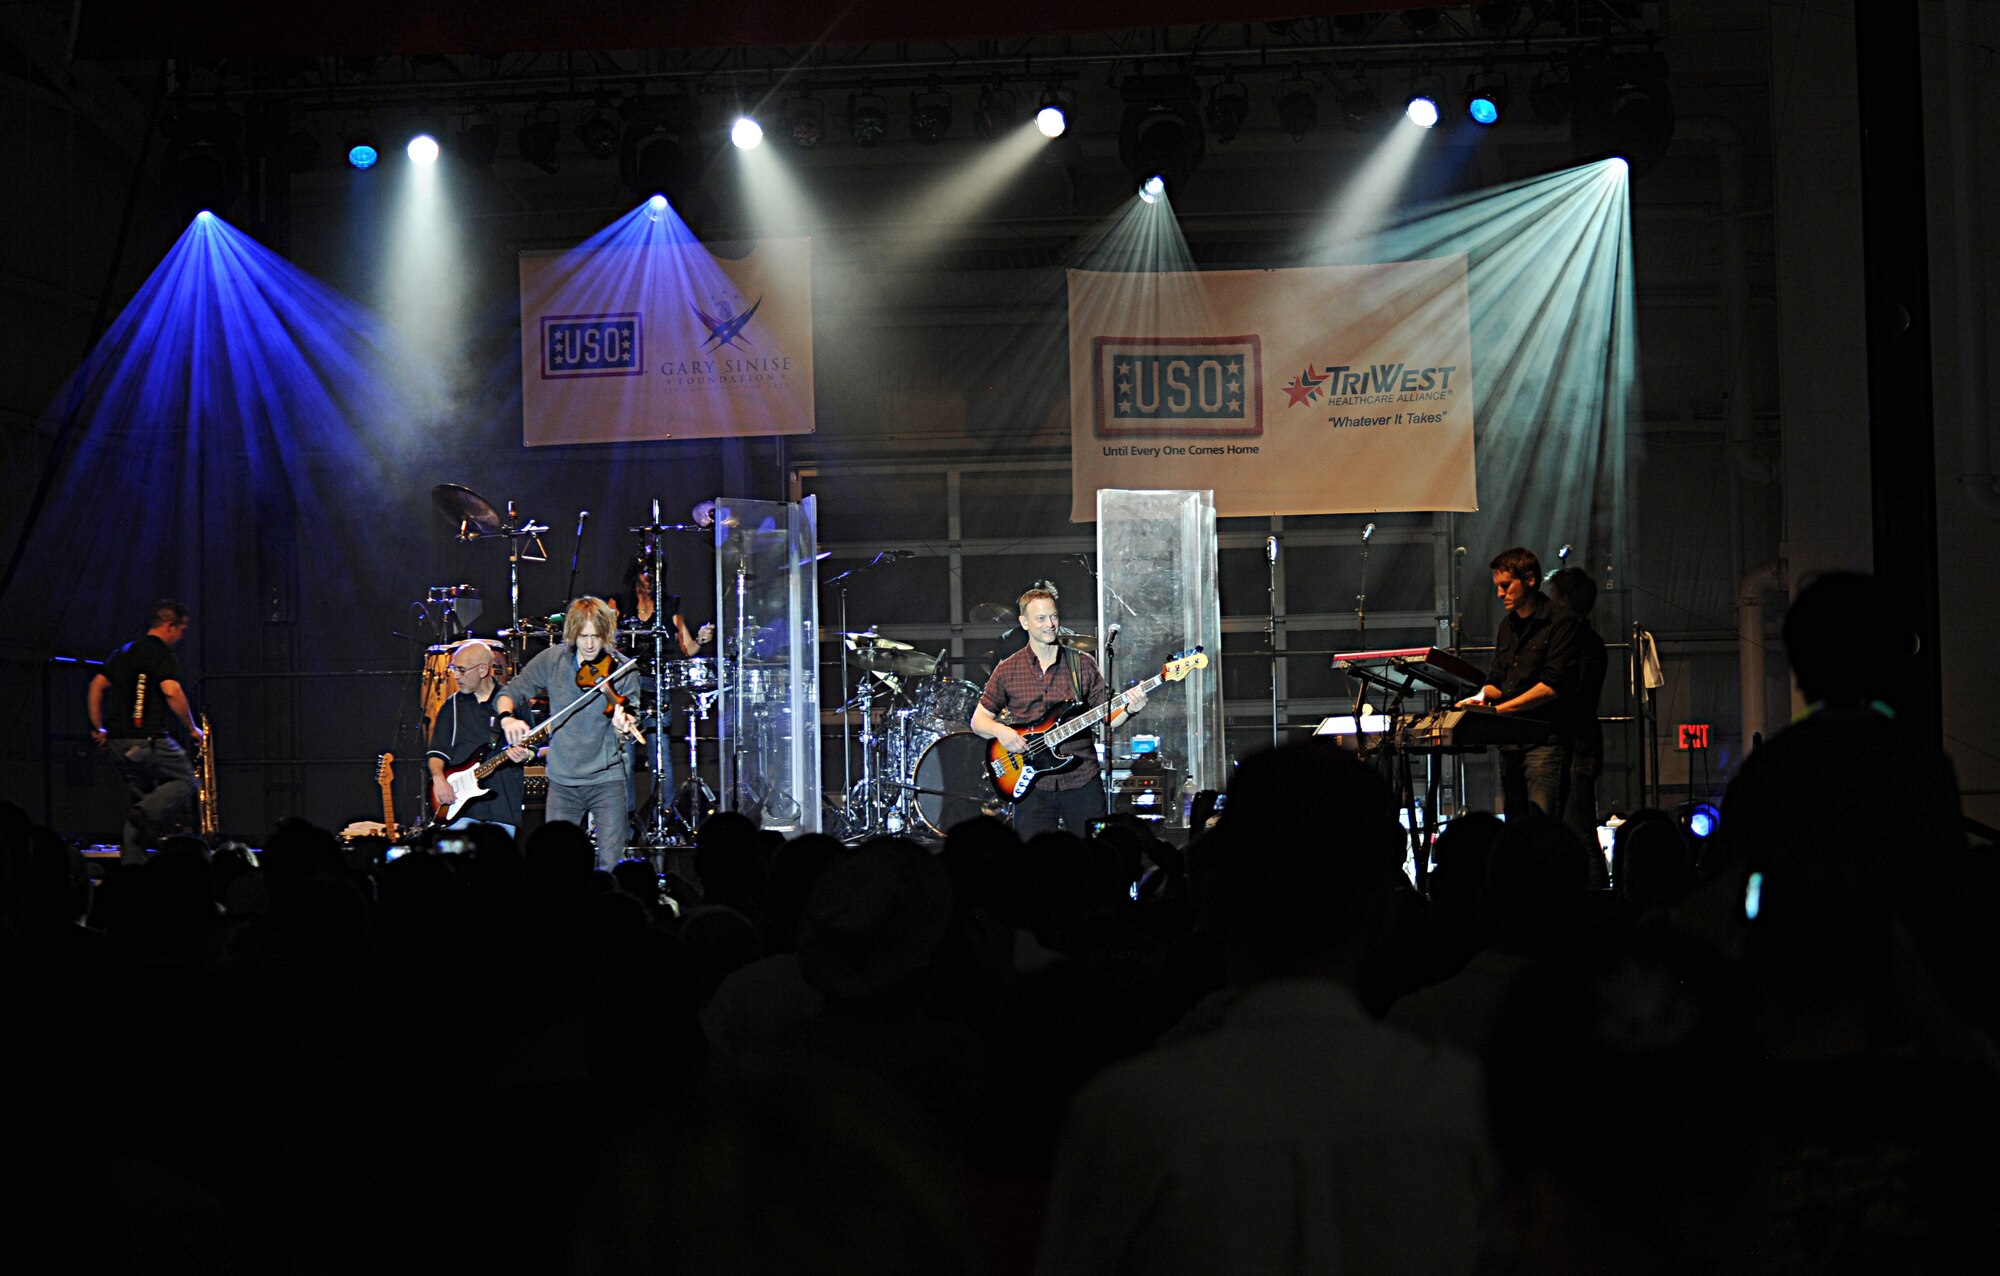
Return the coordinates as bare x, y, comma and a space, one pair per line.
467, 508
890, 660
874, 642
989, 614
1080, 642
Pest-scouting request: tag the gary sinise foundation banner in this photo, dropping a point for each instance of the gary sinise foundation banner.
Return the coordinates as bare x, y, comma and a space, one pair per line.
666, 341
1316, 390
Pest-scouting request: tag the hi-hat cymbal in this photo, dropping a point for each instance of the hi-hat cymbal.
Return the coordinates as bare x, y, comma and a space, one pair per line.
989, 614
467, 508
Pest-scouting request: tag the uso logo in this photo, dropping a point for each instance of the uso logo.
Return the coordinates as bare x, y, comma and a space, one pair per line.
1177, 386
591, 346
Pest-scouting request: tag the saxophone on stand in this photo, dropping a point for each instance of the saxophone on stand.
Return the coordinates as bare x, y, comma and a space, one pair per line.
208, 817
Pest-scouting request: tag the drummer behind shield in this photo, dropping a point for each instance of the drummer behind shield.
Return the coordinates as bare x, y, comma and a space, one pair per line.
1026, 686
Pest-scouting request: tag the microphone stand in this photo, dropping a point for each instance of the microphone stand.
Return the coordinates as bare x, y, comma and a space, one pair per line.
575, 553
1110, 727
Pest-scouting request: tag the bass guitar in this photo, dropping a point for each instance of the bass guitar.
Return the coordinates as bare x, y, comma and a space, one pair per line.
1014, 774
465, 778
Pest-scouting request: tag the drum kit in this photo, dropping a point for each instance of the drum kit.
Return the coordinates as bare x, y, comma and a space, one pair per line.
922, 768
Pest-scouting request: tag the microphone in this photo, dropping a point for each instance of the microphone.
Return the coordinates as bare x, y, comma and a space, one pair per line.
1111, 632
1366, 532
1562, 555
1270, 549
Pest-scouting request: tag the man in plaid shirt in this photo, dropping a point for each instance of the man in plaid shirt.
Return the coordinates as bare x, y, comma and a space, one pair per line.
1023, 688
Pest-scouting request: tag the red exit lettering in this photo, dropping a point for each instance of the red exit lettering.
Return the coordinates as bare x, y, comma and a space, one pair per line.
1693, 735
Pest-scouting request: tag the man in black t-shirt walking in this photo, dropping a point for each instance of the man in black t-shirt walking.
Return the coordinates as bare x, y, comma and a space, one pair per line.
130, 703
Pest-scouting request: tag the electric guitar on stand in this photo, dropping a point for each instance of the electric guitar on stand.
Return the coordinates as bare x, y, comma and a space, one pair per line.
466, 776
1014, 774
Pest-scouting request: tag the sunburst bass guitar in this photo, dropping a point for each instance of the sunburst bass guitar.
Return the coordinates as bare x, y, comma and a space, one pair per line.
1014, 774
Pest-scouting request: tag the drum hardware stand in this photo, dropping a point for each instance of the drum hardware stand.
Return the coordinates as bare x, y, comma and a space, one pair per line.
1271, 625
846, 693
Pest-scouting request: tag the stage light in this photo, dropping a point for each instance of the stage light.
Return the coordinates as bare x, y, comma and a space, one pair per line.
1052, 117
1422, 111
867, 117
1153, 188
656, 207
1298, 108
1161, 132
1228, 107
423, 149
1620, 106
661, 146
1359, 103
204, 215
1700, 820
540, 136
930, 114
598, 131
746, 134
1484, 97
805, 122
997, 111
478, 140
361, 146
1420, 22
1548, 96
1615, 169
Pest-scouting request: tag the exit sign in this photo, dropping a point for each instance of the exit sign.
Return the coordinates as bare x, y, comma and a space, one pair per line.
1693, 735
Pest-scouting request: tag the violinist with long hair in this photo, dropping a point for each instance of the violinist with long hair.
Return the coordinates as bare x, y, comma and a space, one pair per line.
587, 758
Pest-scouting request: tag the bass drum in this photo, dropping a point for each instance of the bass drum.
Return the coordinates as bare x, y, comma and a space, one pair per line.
951, 784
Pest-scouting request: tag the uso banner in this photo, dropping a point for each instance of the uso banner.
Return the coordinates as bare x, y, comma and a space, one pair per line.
666, 341
1316, 390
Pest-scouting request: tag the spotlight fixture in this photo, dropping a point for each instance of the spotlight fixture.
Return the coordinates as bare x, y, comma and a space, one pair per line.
930, 113
1153, 188
362, 149
1548, 96
1485, 94
478, 140
998, 110
1620, 106
1359, 102
1052, 116
541, 135
1421, 110
867, 117
423, 149
746, 134
204, 159
1298, 108
1161, 134
598, 131
660, 148
656, 207
805, 122
1228, 107
1700, 820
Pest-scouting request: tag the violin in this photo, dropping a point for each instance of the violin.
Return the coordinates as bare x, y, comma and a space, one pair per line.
592, 672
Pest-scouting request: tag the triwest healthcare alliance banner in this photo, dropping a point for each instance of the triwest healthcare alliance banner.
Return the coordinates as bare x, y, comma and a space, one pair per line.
624, 344
1318, 390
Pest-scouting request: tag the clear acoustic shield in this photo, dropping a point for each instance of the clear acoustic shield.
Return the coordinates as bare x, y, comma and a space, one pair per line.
767, 631
1156, 553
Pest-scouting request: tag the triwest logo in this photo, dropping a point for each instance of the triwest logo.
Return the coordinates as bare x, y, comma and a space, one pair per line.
1169, 386
592, 346
1372, 383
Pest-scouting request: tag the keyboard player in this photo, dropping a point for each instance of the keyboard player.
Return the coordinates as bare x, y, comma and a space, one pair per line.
1534, 665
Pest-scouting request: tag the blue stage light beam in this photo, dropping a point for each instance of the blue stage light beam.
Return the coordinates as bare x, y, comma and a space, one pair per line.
232, 412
